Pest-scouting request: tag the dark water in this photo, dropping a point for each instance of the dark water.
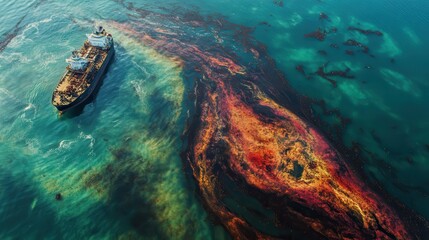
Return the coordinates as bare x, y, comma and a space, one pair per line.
122, 165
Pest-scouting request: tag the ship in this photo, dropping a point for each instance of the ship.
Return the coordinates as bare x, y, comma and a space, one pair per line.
84, 70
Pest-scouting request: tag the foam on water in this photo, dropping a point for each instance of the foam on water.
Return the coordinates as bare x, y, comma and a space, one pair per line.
11, 57
65, 144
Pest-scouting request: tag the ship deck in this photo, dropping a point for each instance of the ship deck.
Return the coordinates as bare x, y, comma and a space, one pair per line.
74, 83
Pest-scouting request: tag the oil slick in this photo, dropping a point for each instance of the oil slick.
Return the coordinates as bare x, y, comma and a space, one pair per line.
241, 136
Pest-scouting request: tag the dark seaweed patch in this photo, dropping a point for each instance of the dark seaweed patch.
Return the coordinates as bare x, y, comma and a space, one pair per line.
319, 34
124, 186
322, 52
354, 43
9, 36
324, 16
278, 3
366, 31
334, 73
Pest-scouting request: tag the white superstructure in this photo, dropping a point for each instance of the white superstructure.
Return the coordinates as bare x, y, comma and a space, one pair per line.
99, 38
76, 62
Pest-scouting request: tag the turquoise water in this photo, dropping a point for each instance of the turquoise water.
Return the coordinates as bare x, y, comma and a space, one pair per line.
118, 163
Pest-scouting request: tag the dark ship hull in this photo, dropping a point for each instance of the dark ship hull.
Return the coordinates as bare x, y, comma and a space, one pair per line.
85, 70
93, 85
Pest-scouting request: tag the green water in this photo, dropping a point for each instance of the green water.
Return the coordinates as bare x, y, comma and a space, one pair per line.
118, 164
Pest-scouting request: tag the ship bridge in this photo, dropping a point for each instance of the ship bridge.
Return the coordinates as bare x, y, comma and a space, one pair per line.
76, 62
99, 38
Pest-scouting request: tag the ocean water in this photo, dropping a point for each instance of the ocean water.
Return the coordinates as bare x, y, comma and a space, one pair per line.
123, 163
